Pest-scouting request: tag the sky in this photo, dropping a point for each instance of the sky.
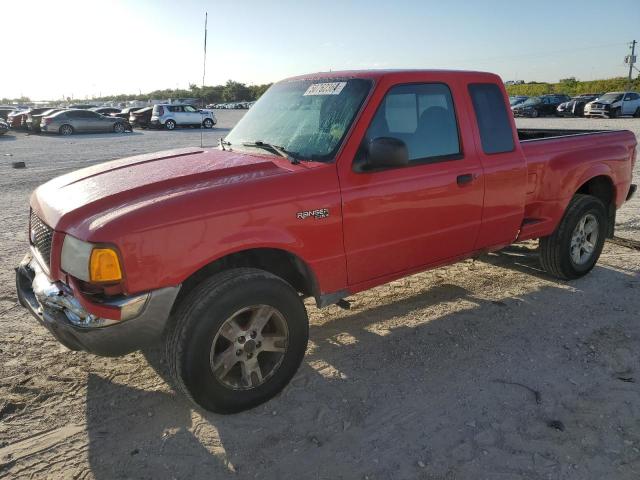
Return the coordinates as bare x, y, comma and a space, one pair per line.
63, 48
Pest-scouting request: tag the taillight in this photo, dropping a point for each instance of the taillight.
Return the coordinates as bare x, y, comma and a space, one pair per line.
160, 111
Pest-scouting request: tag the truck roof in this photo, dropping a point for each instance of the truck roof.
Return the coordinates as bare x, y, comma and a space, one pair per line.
398, 74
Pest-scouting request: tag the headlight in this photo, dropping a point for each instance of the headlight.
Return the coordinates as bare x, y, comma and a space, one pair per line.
89, 262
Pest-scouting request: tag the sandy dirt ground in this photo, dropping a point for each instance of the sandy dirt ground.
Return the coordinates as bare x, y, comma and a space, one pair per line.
486, 369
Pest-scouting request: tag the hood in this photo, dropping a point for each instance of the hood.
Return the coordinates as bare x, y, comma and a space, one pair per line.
110, 189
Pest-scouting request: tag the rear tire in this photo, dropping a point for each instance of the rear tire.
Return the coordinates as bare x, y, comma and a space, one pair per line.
220, 374
573, 249
170, 124
207, 123
636, 114
65, 129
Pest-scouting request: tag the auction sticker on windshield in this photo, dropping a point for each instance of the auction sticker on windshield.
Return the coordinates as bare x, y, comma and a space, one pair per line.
328, 88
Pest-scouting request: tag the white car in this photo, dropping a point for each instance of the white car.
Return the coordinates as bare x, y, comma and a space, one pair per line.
171, 115
613, 105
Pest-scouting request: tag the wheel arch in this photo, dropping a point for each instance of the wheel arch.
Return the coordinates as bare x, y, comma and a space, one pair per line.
602, 187
280, 262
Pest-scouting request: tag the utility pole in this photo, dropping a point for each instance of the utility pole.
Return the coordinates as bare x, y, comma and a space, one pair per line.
631, 60
204, 71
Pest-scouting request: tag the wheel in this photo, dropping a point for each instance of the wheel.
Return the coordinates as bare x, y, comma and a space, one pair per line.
118, 127
573, 249
237, 340
208, 123
636, 114
170, 124
65, 129
615, 113
535, 113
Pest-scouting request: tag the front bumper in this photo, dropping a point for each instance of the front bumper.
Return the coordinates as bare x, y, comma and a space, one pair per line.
523, 113
54, 306
597, 112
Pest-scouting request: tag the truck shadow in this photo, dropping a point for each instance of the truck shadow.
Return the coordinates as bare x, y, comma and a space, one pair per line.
388, 385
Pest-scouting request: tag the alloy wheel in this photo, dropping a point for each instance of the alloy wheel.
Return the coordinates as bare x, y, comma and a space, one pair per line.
249, 347
584, 239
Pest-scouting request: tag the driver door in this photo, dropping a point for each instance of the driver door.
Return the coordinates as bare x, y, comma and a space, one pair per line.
402, 218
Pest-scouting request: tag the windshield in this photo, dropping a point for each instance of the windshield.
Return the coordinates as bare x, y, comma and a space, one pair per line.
610, 97
307, 118
516, 100
532, 101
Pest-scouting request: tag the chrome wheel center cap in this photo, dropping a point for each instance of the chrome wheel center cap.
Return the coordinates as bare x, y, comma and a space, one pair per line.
250, 346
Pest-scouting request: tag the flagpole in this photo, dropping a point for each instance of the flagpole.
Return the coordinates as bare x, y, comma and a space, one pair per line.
204, 71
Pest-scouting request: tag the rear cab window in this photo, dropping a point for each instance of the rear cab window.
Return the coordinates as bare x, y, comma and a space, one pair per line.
494, 124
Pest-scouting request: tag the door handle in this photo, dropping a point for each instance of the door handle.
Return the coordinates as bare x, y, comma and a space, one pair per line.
464, 179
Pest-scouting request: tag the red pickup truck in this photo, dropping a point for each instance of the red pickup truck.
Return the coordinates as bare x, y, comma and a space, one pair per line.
331, 184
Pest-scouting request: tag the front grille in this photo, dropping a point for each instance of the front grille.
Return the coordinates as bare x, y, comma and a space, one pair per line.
40, 236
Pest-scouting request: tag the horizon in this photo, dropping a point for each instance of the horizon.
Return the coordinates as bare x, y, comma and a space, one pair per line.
147, 46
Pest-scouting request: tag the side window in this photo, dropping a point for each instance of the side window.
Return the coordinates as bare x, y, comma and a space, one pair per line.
189, 108
422, 116
491, 114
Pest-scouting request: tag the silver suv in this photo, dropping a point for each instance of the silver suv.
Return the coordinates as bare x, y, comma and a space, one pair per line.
170, 115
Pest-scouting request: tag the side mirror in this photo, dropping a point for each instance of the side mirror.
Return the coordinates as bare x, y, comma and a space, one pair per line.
385, 152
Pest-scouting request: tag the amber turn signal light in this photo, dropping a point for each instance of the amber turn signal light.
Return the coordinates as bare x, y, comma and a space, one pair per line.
104, 265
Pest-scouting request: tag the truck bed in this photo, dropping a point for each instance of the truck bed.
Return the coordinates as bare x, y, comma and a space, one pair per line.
559, 161
529, 134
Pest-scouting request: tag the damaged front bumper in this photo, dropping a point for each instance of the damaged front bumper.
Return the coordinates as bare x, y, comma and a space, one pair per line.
140, 320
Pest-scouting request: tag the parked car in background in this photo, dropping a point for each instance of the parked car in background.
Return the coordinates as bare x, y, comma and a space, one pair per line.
170, 116
613, 105
105, 110
517, 99
5, 111
66, 122
141, 118
81, 106
538, 106
575, 106
34, 117
125, 112
4, 127
14, 118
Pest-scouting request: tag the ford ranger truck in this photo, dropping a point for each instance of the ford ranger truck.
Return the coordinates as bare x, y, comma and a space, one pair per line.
331, 184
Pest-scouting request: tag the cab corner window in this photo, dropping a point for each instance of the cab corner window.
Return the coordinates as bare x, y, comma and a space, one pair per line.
420, 116
496, 134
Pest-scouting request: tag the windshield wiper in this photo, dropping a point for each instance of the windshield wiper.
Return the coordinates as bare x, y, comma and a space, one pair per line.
274, 148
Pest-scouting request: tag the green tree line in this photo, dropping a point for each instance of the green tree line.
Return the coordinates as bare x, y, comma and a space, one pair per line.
230, 92
571, 86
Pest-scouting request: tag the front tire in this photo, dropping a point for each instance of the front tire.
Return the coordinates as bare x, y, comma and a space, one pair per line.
615, 113
237, 340
573, 249
535, 113
119, 128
